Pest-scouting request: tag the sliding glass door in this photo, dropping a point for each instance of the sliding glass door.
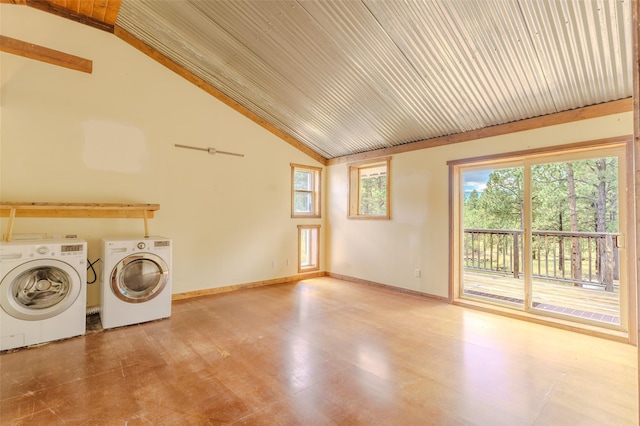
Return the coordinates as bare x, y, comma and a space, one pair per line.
544, 235
493, 220
575, 261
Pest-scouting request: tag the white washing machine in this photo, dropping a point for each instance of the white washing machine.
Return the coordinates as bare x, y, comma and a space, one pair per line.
136, 280
42, 291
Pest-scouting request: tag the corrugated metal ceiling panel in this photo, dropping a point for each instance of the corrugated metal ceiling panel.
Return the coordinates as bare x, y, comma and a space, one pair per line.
351, 76
584, 48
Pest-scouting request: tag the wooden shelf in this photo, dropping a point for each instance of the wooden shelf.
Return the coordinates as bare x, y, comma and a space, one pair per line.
91, 210
77, 210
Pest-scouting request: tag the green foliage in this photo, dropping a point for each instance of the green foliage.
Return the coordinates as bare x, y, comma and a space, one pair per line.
500, 204
373, 195
549, 197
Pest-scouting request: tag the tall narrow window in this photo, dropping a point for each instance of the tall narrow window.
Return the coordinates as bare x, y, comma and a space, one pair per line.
308, 248
305, 191
369, 189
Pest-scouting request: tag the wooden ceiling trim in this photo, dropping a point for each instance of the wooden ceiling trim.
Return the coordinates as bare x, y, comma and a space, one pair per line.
608, 108
181, 71
111, 11
44, 54
78, 12
85, 8
101, 10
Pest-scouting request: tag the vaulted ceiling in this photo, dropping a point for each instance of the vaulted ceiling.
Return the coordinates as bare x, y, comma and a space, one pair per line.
346, 77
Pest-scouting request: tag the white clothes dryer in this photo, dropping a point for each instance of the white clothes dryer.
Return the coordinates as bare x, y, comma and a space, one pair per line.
42, 291
136, 280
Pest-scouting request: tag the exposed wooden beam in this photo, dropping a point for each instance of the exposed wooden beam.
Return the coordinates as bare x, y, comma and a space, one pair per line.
44, 54
623, 105
202, 84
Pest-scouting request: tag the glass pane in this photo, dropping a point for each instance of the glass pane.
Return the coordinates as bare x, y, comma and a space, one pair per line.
575, 261
41, 288
373, 191
313, 248
140, 277
303, 180
308, 248
302, 202
492, 243
305, 248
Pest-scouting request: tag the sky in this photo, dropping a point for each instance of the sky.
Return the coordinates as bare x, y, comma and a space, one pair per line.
476, 179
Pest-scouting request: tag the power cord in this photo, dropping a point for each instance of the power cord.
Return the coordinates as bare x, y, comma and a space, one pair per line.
90, 267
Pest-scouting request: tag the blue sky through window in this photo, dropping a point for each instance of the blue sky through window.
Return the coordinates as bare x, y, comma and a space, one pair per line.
476, 179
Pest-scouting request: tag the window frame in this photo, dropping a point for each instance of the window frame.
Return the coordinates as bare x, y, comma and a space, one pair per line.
618, 146
316, 192
353, 208
315, 264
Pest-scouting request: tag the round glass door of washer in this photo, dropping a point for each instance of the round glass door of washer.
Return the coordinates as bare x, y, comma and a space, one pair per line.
39, 289
139, 277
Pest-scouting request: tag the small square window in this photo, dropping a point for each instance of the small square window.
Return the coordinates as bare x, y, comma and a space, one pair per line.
369, 190
305, 191
308, 248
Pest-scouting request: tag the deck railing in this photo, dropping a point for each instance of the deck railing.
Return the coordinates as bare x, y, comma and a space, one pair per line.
579, 258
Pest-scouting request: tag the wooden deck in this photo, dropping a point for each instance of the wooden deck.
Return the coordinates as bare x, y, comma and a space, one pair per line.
598, 305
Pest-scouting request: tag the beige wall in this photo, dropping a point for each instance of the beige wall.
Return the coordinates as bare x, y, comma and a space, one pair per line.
417, 237
108, 136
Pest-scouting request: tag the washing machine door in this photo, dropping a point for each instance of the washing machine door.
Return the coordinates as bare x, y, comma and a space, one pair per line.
39, 289
139, 277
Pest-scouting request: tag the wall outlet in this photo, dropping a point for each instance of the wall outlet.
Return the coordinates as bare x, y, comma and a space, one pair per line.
417, 273
273, 263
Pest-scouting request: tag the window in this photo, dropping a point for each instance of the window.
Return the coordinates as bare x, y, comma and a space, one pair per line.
540, 232
305, 191
369, 189
308, 248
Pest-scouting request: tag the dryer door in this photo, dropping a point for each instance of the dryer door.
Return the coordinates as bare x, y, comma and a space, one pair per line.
139, 277
39, 289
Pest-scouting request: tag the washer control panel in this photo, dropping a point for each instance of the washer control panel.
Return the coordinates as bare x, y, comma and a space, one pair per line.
42, 249
113, 245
